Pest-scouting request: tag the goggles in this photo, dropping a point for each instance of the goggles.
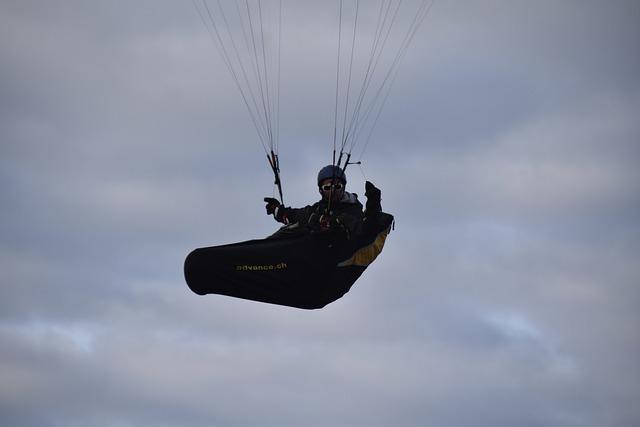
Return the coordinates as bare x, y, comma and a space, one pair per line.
336, 186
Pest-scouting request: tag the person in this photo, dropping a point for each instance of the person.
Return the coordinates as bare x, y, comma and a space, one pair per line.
337, 210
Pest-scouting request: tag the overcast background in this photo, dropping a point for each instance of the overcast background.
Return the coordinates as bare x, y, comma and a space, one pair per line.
508, 294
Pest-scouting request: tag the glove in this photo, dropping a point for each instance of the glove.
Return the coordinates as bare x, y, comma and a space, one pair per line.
373, 197
272, 204
371, 191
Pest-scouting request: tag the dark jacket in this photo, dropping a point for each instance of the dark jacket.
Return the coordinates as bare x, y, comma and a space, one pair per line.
345, 216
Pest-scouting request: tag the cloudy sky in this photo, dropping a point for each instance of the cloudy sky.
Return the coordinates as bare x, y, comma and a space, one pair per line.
508, 152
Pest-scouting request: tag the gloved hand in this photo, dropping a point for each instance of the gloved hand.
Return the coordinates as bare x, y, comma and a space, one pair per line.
371, 191
272, 204
373, 197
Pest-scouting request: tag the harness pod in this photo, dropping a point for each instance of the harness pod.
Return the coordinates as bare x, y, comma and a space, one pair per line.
294, 267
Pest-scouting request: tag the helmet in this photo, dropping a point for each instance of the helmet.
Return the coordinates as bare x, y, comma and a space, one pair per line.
331, 172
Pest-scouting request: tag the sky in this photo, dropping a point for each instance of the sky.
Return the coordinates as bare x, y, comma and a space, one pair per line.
508, 293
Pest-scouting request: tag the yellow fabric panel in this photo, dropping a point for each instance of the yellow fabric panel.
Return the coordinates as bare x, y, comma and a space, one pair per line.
366, 255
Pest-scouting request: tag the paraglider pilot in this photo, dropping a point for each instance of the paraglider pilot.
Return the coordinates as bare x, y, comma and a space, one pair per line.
338, 209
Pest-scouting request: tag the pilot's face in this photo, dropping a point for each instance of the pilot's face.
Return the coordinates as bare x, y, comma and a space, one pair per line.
332, 189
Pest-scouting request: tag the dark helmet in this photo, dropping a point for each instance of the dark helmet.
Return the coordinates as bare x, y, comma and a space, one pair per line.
332, 172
